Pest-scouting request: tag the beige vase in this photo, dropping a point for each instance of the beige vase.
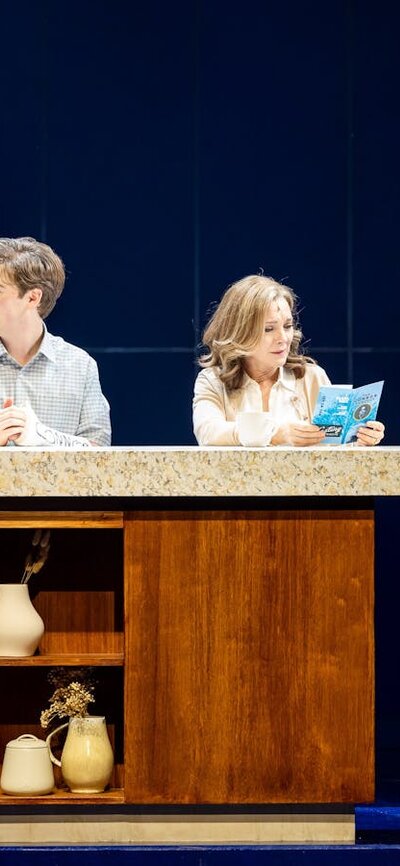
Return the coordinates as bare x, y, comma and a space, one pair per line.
21, 627
87, 759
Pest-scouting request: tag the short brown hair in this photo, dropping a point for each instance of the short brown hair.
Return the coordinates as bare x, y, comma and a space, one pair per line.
33, 265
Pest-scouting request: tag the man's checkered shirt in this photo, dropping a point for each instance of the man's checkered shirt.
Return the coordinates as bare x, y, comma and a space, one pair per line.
62, 385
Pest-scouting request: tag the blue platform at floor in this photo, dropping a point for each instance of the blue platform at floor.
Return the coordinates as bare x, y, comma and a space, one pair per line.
378, 823
270, 855
378, 817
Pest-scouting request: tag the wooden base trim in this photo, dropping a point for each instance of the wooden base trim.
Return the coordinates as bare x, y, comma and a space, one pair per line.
180, 830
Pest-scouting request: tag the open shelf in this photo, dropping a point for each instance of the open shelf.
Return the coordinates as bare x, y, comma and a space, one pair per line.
70, 660
79, 593
61, 520
63, 797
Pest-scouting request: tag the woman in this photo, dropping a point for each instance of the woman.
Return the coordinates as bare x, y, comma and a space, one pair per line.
254, 365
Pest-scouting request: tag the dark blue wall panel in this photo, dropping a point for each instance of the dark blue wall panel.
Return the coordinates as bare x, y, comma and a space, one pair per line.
376, 174
272, 152
22, 118
120, 169
150, 396
167, 150
372, 367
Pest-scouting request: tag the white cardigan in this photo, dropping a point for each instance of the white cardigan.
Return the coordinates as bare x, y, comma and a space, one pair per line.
215, 408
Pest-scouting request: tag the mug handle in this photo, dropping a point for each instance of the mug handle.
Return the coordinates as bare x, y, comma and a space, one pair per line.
53, 758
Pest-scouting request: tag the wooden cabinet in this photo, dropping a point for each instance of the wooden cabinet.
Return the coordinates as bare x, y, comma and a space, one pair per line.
251, 637
233, 649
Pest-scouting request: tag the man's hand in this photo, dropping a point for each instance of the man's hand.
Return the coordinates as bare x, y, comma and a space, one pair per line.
299, 433
40, 435
12, 421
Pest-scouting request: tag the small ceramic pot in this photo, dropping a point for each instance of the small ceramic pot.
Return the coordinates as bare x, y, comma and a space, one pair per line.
27, 768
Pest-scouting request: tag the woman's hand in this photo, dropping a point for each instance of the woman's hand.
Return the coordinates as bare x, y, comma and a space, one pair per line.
371, 433
299, 433
12, 422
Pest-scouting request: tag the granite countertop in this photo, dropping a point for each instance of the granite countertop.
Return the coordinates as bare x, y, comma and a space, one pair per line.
193, 471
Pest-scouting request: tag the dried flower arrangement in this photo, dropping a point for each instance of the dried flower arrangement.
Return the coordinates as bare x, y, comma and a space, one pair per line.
73, 693
37, 555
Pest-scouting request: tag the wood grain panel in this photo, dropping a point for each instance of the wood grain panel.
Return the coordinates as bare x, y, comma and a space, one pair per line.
249, 657
61, 520
79, 592
78, 622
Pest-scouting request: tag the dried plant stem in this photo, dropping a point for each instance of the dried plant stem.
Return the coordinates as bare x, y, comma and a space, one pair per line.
37, 555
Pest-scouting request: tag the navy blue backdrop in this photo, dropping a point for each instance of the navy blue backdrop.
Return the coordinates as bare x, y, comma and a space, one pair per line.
168, 149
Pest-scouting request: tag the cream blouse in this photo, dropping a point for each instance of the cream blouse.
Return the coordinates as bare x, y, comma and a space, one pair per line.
215, 409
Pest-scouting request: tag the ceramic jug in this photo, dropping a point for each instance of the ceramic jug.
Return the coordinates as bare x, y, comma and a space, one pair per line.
21, 627
27, 769
87, 758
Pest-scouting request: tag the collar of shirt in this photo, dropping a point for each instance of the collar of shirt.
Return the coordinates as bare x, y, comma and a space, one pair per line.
285, 380
46, 347
3, 350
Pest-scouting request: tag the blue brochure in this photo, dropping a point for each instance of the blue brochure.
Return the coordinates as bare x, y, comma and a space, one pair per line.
340, 410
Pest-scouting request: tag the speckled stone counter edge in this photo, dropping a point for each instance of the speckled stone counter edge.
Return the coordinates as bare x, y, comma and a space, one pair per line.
197, 472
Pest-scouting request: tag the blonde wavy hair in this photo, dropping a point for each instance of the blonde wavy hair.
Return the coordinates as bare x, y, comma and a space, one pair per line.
237, 325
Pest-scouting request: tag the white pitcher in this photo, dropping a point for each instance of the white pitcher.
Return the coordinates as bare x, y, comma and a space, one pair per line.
87, 758
21, 627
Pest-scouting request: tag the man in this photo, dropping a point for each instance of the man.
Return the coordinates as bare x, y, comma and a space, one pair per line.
49, 389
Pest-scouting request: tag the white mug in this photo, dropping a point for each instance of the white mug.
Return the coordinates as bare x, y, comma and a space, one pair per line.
254, 428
